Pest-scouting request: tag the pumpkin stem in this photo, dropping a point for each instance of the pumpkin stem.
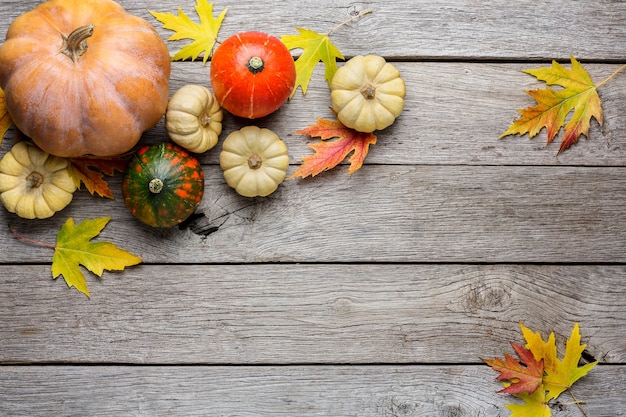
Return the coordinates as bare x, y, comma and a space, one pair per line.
255, 64
368, 91
75, 44
34, 180
255, 161
155, 185
205, 120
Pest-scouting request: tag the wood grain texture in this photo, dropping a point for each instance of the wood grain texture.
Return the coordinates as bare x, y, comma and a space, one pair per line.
265, 314
454, 114
421, 29
374, 294
382, 213
364, 391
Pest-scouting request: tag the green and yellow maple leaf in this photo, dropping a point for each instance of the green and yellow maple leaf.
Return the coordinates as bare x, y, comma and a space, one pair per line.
560, 374
578, 94
74, 248
315, 48
203, 35
5, 118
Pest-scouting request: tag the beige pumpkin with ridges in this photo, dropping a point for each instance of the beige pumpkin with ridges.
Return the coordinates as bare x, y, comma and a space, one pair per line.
194, 118
254, 161
33, 183
367, 93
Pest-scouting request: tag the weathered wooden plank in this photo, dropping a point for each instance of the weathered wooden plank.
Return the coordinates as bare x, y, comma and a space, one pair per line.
441, 391
434, 192
378, 214
454, 114
287, 314
421, 29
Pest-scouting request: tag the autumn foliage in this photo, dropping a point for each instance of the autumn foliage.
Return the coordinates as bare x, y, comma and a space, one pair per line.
91, 171
578, 95
526, 376
315, 47
329, 154
74, 247
203, 35
539, 376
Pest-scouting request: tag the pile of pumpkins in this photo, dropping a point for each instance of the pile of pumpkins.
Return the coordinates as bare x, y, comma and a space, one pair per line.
110, 84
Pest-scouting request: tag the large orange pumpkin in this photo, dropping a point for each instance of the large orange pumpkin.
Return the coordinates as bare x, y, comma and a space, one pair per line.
84, 77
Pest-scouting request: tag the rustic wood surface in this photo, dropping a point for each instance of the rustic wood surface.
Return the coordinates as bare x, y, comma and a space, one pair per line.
372, 294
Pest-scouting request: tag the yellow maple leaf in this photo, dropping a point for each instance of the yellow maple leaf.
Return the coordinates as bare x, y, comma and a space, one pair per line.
560, 374
203, 35
579, 94
535, 405
315, 48
74, 248
5, 118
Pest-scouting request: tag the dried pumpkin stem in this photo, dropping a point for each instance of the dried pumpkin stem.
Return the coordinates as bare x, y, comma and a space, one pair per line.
34, 180
255, 64
255, 161
75, 44
368, 91
205, 120
155, 185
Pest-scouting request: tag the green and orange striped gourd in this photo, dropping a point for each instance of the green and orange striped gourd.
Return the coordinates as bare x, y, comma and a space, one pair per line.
163, 185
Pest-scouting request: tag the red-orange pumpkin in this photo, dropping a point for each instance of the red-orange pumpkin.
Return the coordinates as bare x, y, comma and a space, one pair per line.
252, 74
84, 76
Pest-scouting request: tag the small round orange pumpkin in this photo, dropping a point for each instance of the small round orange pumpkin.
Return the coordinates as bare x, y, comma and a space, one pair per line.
84, 77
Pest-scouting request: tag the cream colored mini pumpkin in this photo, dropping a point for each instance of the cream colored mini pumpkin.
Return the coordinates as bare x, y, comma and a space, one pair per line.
194, 118
254, 161
33, 183
367, 93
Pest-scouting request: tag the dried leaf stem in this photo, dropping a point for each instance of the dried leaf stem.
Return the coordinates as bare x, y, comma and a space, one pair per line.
31, 241
576, 401
620, 69
350, 19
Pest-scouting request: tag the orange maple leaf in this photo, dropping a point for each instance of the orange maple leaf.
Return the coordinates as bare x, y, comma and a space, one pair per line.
330, 154
5, 118
525, 377
579, 94
91, 170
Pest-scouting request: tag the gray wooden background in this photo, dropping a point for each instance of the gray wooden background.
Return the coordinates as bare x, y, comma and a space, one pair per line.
372, 294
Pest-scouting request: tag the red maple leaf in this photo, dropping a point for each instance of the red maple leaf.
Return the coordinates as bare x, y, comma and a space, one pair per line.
525, 377
329, 154
91, 170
